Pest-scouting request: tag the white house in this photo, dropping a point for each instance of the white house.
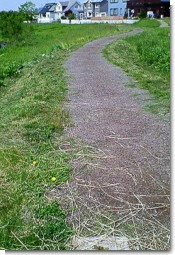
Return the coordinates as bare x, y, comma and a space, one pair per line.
52, 12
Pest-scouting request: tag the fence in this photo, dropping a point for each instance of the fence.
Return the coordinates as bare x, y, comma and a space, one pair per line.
89, 21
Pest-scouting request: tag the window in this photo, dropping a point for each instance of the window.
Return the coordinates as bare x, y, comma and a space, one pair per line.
89, 14
88, 5
97, 6
76, 6
114, 11
121, 11
113, 1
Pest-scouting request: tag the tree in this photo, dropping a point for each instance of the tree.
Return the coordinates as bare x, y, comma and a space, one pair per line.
28, 10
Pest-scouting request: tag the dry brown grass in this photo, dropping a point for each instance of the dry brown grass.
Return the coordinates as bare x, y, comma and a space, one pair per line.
93, 210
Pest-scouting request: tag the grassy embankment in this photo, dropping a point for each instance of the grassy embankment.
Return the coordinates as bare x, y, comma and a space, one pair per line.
32, 119
146, 58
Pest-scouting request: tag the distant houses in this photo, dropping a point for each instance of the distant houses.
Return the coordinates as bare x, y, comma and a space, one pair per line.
94, 9
158, 7
88, 9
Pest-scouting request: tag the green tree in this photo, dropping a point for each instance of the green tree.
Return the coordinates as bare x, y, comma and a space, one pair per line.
28, 10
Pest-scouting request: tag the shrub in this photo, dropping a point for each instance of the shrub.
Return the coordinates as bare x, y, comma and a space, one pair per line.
142, 14
63, 17
71, 16
11, 25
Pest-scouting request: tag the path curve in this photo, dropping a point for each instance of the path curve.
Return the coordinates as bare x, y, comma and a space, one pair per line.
132, 162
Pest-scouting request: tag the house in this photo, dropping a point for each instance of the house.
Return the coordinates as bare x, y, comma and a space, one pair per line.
87, 9
76, 8
117, 7
51, 12
45, 15
158, 7
95, 8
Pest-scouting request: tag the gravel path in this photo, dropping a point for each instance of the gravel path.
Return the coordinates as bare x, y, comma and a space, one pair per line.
129, 158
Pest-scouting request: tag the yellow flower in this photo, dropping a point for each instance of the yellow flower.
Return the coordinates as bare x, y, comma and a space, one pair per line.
33, 163
53, 179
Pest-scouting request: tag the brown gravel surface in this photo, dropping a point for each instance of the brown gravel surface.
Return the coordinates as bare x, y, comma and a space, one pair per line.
124, 168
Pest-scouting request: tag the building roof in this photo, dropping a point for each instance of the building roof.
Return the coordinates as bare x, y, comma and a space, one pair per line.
96, 1
71, 4
52, 9
93, 1
46, 8
39, 9
65, 3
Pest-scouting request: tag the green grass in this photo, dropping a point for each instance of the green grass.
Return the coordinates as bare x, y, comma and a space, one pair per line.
147, 23
32, 121
146, 58
48, 37
32, 115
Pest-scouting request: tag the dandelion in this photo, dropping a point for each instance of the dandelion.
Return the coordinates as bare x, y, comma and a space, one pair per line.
53, 179
34, 163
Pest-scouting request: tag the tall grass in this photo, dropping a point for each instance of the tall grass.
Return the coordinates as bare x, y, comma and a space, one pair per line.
146, 57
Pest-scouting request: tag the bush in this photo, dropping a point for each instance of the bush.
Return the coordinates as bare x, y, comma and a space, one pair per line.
71, 16
63, 17
142, 14
12, 27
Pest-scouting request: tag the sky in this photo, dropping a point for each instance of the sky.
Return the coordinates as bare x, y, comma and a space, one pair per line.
7, 5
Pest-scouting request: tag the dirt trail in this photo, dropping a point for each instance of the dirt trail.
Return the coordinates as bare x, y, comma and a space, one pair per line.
126, 171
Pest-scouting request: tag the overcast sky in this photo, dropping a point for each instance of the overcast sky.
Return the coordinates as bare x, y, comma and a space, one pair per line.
7, 5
